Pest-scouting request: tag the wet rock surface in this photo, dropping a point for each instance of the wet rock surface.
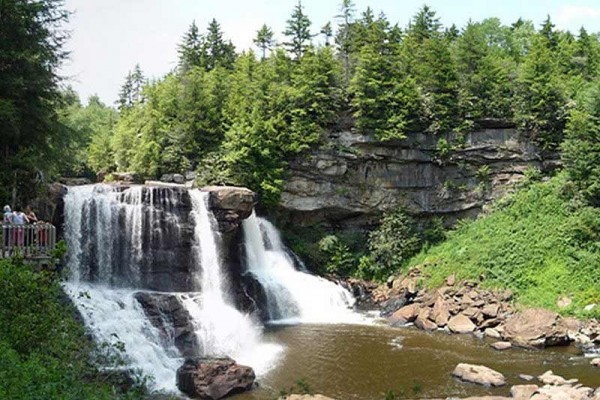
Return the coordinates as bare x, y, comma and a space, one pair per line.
173, 322
213, 378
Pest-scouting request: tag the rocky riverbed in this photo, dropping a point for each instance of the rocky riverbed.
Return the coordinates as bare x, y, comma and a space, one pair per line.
466, 308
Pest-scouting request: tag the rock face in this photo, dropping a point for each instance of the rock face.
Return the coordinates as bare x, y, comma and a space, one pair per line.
536, 328
213, 378
350, 182
479, 374
174, 323
230, 205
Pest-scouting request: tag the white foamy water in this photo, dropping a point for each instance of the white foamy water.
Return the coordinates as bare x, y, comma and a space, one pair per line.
293, 296
223, 330
113, 316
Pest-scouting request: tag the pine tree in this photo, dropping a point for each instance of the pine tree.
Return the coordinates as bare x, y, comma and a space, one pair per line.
264, 39
218, 51
540, 99
298, 30
191, 49
327, 32
587, 53
344, 36
131, 90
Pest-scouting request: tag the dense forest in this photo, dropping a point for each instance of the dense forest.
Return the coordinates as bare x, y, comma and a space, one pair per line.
238, 117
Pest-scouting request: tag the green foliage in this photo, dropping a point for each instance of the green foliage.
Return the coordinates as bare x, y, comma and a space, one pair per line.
391, 245
32, 42
45, 353
298, 31
535, 242
581, 148
340, 259
541, 102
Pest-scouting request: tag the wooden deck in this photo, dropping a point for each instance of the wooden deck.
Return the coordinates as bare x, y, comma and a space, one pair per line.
33, 242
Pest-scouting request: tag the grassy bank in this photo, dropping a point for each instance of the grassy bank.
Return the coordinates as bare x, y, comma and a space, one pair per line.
44, 353
538, 242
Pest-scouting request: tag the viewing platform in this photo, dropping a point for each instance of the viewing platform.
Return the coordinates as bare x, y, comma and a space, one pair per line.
32, 242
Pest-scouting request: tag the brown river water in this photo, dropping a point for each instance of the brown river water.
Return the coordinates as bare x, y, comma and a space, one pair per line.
364, 362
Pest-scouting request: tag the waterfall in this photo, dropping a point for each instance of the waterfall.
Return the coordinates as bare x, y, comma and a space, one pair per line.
104, 231
292, 296
223, 330
161, 243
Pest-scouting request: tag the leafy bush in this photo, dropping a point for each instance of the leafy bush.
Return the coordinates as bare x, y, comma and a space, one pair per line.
45, 353
340, 259
534, 242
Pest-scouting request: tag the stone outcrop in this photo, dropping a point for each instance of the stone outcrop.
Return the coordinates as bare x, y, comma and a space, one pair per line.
173, 322
213, 378
479, 374
350, 181
536, 328
230, 205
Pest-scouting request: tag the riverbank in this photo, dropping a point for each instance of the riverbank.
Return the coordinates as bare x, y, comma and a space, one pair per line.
466, 307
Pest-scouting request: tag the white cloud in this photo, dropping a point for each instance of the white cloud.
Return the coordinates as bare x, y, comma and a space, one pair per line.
573, 16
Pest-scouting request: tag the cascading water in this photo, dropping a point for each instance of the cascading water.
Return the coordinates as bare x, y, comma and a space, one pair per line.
223, 330
124, 242
104, 231
292, 296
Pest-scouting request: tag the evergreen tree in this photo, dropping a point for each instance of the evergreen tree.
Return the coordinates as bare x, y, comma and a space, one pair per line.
540, 105
587, 55
218, 51
327, 32
32, 38
344, 36
298, 31
581, 148
131, 90
264, 39
191, 50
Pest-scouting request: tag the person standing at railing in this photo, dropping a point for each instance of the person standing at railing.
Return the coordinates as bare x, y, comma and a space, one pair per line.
8, 215
20, 219
40, 232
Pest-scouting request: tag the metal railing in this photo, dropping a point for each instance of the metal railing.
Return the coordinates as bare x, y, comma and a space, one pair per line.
28, 241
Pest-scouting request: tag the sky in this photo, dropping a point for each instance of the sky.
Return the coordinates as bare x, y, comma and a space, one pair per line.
109, 37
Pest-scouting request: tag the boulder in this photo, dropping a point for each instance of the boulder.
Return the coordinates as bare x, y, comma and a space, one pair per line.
491, 310
491, 332
525, 377
479, 374
451, 280
213, 378
441, 312
230, 205
523, 392
178, 178
536, 328
125, 177
501, 346
405, 315
595, 362
423, 322
565, 392
461, 324
74, 181
549, 378
393, 304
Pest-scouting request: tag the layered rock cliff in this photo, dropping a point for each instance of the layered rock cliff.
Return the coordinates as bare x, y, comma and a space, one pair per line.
347, 183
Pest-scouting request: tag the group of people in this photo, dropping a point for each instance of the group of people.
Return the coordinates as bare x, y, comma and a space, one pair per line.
18, 217
14, 233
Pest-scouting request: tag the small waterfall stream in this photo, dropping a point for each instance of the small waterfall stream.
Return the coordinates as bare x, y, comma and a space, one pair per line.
292, 296
223, 330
